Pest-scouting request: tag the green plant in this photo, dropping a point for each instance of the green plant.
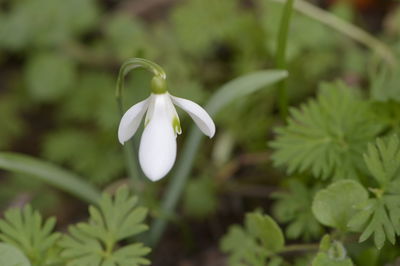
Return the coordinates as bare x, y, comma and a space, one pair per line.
100, 241
336, 150
261, 238
323, 139
26, 230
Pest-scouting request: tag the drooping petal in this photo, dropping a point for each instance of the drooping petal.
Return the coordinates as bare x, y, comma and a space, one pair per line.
130, 121
198, 114
157, 151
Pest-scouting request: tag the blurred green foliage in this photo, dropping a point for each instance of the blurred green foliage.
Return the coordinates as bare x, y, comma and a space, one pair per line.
294, 207
64, 55
58, 66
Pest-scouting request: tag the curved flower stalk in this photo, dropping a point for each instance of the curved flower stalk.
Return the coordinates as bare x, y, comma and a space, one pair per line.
157, 150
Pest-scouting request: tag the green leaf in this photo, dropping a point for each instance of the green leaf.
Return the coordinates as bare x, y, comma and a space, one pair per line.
323, 138
242, 86
252, 245
50, 174
26, 229
11, 256
383, 159
229, 92
385, 85
380, 216
49, 76
294, 207
97, 241
264, 228
242, 248
335, 205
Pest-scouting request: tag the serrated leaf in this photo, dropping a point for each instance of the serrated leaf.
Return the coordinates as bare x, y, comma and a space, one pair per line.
335, 205
321, 136
383, 159
26, 229
11, 256
379, 217
255, 243
97, 241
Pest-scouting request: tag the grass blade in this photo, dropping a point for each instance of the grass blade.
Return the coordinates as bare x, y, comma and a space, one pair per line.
50, 174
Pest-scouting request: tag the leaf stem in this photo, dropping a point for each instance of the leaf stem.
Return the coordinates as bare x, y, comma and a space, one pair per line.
347, 29
281, 55
299, 248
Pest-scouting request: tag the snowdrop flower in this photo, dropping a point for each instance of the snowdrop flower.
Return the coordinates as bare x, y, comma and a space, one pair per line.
157, 151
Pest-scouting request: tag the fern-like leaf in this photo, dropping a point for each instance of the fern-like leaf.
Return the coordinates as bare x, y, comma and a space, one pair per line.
255, 243
26, 230
96, 242
379, 217
327, 135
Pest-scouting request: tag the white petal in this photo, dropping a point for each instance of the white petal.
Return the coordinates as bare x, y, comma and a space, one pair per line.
150, 109
130, 121
157, 151
198, 114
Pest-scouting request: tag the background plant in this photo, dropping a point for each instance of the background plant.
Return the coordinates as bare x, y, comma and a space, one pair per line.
96, 242
58, 68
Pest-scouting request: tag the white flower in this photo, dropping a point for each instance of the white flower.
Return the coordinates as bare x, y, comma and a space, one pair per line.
157, 151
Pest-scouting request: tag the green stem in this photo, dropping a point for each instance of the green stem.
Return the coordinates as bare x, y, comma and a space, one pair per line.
347, 29
133, 63
299, 248
281, 55
176, 186
131, 160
